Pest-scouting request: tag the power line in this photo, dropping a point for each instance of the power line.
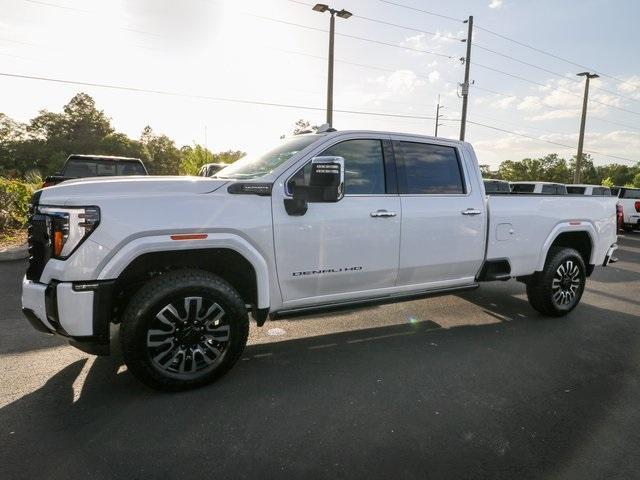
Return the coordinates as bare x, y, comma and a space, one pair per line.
544, 52
531, 137
207, 97
533, 82
422, 11
522, 44
283, 105
591, 117
364, 39
481, 47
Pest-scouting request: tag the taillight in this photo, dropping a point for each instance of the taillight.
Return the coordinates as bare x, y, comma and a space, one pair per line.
46, 184
620, 214
637, 206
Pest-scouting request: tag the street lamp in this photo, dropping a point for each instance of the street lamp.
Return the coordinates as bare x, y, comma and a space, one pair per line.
321, 8
589, 76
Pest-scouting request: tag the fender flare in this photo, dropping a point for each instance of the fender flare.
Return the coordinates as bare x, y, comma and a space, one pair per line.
573, 226
112, 267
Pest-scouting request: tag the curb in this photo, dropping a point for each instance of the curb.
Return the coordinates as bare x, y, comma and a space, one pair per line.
14, 253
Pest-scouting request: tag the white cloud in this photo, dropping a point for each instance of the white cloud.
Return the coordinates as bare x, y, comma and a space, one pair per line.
530, 103
402, 81
434, 76
504, 103
495, 4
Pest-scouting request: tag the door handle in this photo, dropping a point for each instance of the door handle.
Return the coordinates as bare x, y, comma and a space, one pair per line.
471, 211
382, 214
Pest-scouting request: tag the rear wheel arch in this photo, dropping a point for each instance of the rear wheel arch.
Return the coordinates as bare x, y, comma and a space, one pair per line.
579, 240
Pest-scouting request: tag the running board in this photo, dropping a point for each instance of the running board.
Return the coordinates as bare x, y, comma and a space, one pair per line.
371, 301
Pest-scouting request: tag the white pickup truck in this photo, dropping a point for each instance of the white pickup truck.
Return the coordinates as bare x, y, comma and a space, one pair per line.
629, 203
322, 220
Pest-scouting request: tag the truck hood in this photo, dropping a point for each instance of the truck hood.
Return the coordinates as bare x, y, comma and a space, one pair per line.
88, 191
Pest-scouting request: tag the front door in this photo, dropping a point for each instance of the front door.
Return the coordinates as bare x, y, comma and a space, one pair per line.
345, 249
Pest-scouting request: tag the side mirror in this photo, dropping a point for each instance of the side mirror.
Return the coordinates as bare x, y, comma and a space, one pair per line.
326, 185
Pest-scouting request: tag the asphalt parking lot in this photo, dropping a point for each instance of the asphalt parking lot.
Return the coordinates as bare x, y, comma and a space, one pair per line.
475, 385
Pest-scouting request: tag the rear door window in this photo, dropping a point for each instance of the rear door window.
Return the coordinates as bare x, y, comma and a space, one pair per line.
429, 169
576, 190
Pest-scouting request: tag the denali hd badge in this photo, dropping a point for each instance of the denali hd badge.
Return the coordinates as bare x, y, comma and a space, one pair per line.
326, 270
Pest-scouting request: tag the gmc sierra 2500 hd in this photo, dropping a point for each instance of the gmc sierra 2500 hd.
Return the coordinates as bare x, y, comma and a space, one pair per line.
322, 220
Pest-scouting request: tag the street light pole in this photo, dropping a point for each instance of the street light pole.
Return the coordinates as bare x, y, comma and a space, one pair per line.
583, 121
321, 7
332, 31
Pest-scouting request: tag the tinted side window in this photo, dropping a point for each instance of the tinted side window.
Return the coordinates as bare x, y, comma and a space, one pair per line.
601, 191
549, 190
106, 169
429, 169
578, 190
80, 168
630, 193
523, 188
130, 168
363, 165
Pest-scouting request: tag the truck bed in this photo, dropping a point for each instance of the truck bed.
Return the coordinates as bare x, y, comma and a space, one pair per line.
521, 227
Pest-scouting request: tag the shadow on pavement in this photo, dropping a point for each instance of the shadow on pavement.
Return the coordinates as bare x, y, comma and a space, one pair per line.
517, 399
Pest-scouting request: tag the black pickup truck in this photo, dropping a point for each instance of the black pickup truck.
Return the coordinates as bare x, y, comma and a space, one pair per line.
82, 166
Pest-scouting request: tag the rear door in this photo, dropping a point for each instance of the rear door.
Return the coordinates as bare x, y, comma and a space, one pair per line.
443, 214
347, 249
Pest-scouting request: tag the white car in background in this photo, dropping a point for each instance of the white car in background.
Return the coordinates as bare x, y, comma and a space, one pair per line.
629, 201
588, 190
541, 188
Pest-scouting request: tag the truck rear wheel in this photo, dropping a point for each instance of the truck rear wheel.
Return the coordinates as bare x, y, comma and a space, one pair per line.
558, 288
183, 329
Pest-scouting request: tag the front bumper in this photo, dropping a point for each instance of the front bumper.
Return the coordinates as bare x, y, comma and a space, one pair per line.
80, 311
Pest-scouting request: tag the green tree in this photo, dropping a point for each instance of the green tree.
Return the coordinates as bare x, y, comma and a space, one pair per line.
229, 156
607, 182
193, 158
161, 154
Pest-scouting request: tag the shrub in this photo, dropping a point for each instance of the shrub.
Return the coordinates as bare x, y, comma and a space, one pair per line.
15, 196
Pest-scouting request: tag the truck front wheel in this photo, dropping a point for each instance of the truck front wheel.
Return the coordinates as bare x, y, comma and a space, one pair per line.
558, 288
183, 329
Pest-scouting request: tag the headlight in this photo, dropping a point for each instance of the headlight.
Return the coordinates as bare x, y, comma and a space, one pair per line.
67, 227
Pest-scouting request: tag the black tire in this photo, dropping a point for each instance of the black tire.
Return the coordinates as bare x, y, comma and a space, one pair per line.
558, 298
207, 336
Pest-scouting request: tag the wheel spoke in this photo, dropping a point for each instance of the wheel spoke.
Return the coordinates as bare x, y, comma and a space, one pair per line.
219, 334
213, 315
169, 316
159, 333
192, 305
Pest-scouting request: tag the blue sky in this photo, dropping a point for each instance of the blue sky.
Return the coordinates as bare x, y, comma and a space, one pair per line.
231, 49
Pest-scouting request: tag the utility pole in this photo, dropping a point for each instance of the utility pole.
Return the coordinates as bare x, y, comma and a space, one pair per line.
465, 85
438, 115
321, 7
583, 121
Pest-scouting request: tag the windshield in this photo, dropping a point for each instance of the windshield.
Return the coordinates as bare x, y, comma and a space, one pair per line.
258, 166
